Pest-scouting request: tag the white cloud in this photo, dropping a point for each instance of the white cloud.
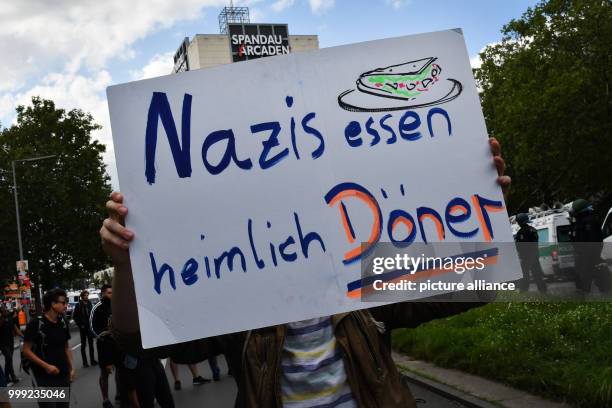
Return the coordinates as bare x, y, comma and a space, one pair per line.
247, 3
316, 6
256, 15
160, 64
61, 50
319, 6
475, 61
69, 91
281, 5
66, 35
75, 40
7, 107
396, 4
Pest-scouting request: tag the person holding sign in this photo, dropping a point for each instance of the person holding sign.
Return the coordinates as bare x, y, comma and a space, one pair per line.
340, 360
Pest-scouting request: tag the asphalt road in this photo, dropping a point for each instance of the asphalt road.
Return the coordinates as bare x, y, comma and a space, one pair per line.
85, 390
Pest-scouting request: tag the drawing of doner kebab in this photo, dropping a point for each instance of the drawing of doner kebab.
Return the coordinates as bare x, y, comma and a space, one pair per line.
414, 84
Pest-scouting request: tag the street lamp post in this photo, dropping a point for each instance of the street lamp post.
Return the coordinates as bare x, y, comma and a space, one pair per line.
17, 207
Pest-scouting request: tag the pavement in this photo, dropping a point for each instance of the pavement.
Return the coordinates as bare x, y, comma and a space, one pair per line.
432, 386
85, 391
467, 386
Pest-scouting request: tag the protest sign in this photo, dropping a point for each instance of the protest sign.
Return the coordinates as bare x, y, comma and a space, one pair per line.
23, 274
252, 186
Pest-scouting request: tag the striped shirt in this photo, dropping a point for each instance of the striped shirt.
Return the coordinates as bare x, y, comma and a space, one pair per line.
312, 367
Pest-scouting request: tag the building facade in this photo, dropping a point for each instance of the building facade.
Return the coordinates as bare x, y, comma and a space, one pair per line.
240, 40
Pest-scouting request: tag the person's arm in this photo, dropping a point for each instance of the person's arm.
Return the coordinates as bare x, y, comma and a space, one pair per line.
412, 314
29, 354
125, 327
115, 241
71, 370
133, 398
99, 322
93, 324
503, 180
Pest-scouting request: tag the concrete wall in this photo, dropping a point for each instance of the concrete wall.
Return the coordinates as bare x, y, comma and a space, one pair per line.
303, 42
209, 50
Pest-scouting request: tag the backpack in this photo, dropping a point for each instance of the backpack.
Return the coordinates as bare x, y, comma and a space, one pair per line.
26, 364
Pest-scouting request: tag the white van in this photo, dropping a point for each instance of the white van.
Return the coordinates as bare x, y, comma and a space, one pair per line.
554, 229
73, 300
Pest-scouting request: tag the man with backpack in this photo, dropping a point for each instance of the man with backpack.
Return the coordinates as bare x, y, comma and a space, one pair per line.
46, 345
81, 314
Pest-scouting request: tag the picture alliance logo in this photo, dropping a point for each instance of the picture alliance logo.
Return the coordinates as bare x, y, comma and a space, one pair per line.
259, 45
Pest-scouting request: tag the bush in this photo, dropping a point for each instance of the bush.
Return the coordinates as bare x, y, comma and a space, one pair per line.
557, 350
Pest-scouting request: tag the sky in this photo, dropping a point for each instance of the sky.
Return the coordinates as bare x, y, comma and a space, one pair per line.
70, 51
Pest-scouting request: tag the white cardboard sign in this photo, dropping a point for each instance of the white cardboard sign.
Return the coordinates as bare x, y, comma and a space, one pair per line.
251, 185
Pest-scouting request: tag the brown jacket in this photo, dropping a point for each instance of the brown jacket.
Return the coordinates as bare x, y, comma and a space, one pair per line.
363, 335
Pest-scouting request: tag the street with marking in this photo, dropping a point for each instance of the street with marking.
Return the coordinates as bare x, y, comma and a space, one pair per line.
85, 391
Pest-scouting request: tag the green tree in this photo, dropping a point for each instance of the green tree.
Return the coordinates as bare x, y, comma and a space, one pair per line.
8, 242
546, 96
60, 199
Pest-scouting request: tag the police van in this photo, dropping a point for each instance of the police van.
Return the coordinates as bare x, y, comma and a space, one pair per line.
554, 240
73, 300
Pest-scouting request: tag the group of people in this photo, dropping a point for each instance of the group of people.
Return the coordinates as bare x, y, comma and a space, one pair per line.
587, 245
48, 355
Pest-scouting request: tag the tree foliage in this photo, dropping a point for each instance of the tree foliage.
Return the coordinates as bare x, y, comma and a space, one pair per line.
546, 96
60, 199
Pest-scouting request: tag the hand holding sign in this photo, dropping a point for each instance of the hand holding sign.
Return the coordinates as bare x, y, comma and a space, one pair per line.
503, 180
115, 237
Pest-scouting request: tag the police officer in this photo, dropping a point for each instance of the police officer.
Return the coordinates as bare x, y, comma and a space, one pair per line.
527, 237
588, 244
